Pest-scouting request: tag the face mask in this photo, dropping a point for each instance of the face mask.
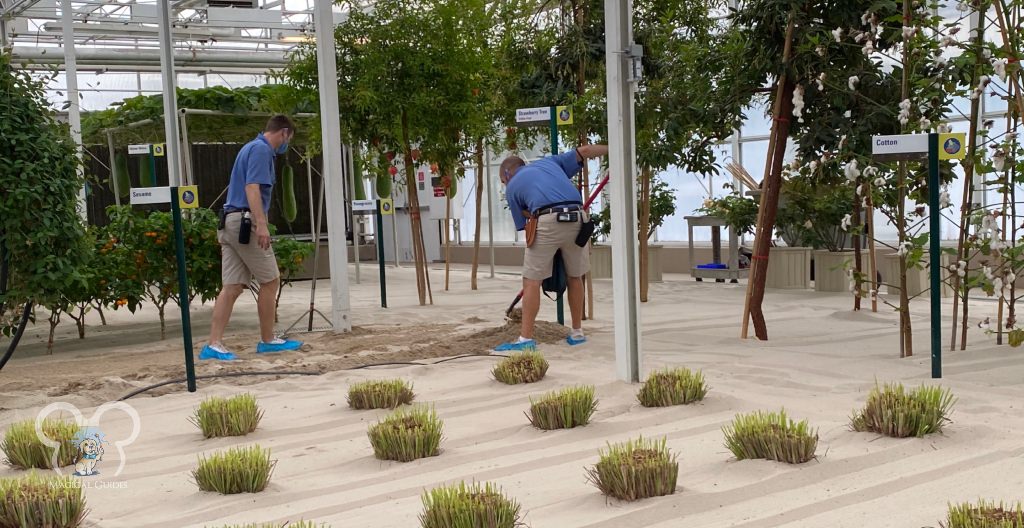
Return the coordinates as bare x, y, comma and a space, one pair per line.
283, 148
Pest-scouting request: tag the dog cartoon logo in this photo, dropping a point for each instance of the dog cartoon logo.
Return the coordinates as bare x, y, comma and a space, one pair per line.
89, 442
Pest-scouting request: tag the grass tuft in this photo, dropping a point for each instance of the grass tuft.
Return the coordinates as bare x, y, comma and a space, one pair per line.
677, 386
893, 411
407, 434
235, 416
772, 436
237, 470
24, 449
635, 470
984, 515
288, 524
474, 506
380, 394
565, 409
34, 500
521, 367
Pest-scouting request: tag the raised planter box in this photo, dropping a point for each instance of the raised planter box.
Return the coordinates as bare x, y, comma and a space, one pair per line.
601, 262
789, 268
918, 280
830, 271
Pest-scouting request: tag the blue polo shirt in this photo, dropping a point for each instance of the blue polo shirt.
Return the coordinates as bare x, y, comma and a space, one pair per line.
543, 183
254, 164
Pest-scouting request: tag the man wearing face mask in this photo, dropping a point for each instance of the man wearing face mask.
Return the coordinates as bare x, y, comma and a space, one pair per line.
244, 237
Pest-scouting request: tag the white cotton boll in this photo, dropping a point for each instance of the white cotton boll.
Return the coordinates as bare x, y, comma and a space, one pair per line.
869, 48
879, 182
987, 271
837, 34
820, 50
908, 32
925, 123
861, 35
848, 114
997, 285
852, 82
963, 7
903, 249
944, 199
845, 224
999, 161
808, 224
798, 102
949, 41
943, 129
842, 143
987, 53
939, 61
821, 81
813, 166
904, 116
865, 19
1010, 276
999, 66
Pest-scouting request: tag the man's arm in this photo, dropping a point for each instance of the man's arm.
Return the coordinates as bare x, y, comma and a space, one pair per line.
259, 218
591, 151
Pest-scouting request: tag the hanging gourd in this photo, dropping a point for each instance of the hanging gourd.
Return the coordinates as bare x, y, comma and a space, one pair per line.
146, 177
120, 180
291, 208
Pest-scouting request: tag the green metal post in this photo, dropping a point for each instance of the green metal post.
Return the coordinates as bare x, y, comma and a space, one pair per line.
152, 166
559, 302
379, 240
935, 253
186, 321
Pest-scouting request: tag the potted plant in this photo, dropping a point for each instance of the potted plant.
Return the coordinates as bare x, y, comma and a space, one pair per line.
663, 205
812, 217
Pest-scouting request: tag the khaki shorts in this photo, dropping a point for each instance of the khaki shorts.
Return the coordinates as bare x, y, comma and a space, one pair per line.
241, 262
553, 235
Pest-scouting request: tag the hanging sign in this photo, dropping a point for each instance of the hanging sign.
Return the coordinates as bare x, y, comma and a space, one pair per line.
188, 197
952, 146
138, 149
387, 206
159, 149
151, 195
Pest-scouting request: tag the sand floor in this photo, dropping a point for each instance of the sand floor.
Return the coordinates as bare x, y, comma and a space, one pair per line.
819, 364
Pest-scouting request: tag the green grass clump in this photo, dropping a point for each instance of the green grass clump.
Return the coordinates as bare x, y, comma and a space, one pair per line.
893, 411
984, 515
521, 367
407, 434
48, 501
288, 524
677, 386
235, 416
237, 470
472, 506
773, 436
24, 449
380, 394
636, 469
565, 409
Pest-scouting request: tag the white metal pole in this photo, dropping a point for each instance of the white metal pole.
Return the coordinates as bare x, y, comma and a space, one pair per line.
186, 151
173, 147
337, 247
622, 167
490, 207
113, 168
71, 75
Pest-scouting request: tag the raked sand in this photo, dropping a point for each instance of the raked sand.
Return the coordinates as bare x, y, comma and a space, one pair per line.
819, 364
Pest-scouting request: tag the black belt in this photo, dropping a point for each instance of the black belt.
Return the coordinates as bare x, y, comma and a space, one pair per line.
558, 209
233, 211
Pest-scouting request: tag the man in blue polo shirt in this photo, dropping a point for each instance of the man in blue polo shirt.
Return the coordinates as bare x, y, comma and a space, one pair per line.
246, 257
544, 189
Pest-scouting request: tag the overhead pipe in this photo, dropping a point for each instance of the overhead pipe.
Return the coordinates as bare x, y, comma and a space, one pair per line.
150, 58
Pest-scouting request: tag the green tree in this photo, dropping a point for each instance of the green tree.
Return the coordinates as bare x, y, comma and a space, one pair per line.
41, 232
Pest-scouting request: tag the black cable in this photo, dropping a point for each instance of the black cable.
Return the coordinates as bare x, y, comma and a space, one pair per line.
299, 373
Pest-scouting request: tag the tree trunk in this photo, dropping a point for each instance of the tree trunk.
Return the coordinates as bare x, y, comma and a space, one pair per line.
645, 227
771, 188
479, 206
80, 322
163, 323
103, 316
422, 276
906, 330
858, 266
54, 321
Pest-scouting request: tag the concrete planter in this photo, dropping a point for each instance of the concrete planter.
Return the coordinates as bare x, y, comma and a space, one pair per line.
601, 262
789, 268
830, 271
917, 279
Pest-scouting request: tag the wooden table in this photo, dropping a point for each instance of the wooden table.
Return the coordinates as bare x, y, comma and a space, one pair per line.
733, 272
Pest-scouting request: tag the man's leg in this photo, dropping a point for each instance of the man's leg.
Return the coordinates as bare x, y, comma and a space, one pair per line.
575, 285
266, 306
531, 306
222, 308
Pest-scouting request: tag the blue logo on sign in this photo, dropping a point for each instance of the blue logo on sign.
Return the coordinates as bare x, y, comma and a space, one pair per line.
564, 114
188, 197
951, 146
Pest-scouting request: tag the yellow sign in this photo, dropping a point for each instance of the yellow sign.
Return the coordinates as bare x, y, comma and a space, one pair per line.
387, 206
952, 146
188, 197
564, 116
158, 149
